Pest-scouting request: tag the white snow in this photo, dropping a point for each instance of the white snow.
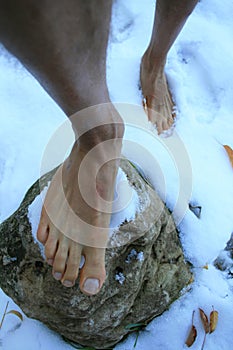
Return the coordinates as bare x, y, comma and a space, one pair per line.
120, 277
134, 255
140, 256
34, 211
123, 210
200, 73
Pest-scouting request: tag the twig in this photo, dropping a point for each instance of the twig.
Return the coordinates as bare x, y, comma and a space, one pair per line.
193, 316
3, 317
203, 344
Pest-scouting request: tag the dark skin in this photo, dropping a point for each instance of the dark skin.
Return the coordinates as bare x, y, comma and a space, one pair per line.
63, 44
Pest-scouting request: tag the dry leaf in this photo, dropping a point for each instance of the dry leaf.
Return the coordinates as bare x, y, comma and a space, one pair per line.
206, 267
229, 152
191, 280
213, 320
205, 321
191, 337
192, 334
16, 313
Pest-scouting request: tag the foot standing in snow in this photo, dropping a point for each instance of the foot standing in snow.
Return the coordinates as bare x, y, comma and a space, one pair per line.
170, 17
63, 44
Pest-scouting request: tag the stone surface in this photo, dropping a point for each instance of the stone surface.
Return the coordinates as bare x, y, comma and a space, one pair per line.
144, 276
224, 261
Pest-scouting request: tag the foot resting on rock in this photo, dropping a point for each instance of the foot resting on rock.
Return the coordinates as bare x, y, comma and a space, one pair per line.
77, 210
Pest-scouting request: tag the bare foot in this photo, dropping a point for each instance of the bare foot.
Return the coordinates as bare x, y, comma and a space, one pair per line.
75, 216
158, 102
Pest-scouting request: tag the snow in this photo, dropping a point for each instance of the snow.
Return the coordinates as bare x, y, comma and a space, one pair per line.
134, 255
120, 277
199, 70
121, 210
34, 211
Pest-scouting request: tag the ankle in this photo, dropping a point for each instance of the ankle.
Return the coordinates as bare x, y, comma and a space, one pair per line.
153, 62
106, 139
97, 124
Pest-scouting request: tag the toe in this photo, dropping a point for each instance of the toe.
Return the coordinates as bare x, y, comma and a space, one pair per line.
159, 126
165, 125
59, 263
72, 266
92, 275
171, 120
42, 231
51, 246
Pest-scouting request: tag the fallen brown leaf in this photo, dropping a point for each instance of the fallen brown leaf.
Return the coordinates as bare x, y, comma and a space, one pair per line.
206, 267
16, 313
213, 320
192, 334
191, 337
205, 321
229, 152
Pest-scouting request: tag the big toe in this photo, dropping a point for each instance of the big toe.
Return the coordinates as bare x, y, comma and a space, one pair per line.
93, 273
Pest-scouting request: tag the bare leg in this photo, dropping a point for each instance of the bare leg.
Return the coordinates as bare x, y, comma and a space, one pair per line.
63, 44
170, 17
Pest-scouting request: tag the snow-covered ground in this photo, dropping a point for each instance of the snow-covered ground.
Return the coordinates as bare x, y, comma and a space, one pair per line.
200, 73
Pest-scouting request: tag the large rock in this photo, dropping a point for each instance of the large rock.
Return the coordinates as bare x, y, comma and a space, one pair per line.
144, 276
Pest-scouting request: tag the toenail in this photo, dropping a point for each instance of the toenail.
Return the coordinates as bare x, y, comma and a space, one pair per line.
68, 283
50, 261
91, 285
57, 275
